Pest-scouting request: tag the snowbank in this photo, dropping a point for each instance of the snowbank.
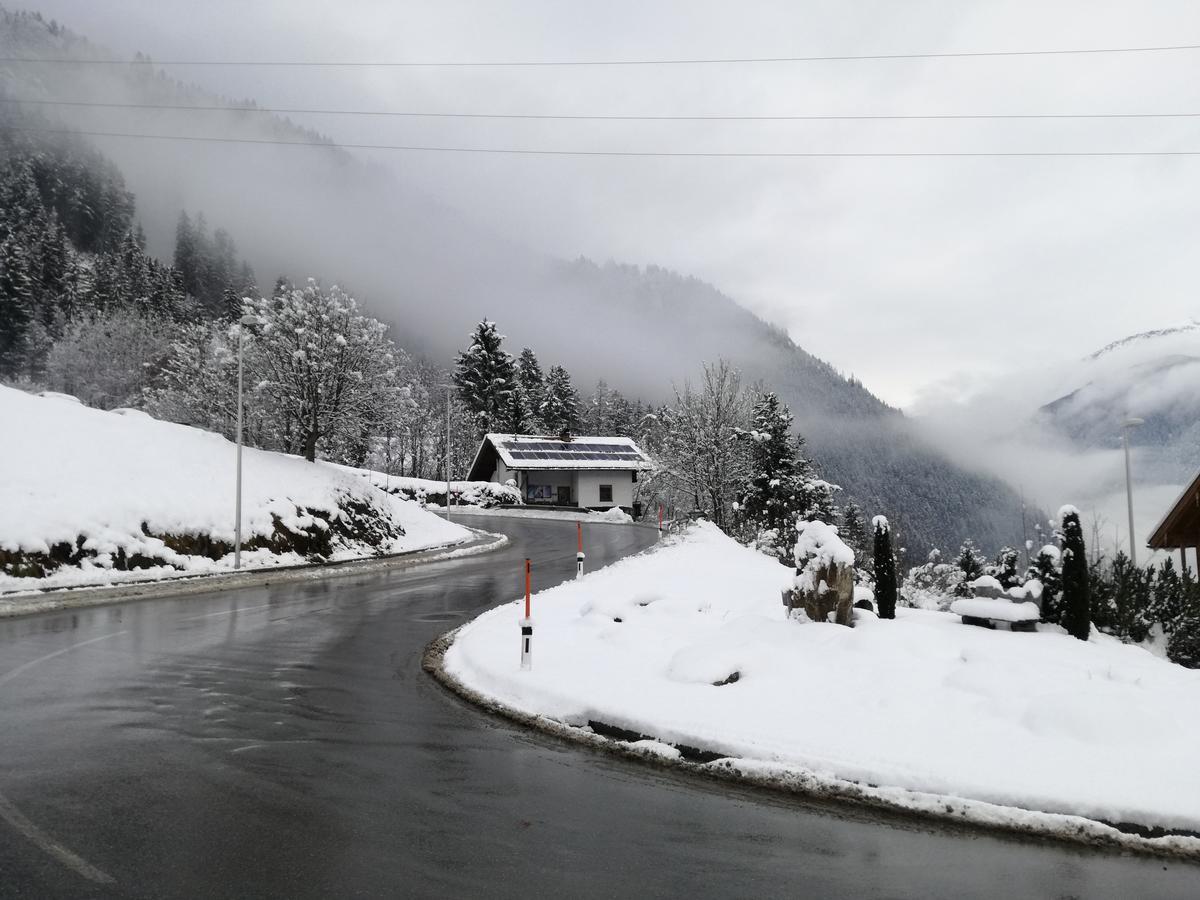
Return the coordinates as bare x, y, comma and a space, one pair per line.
918, 705
90, 497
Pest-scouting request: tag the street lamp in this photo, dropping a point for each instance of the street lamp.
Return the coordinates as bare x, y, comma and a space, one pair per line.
246, 321
449, 388
1125, 426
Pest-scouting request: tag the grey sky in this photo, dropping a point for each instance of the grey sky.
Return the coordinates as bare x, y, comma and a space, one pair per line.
914, 274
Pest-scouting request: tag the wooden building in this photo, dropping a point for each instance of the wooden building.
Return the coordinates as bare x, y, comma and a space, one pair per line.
1180, 527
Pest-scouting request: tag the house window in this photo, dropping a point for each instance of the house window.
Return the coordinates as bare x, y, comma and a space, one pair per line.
634, 474
606, 493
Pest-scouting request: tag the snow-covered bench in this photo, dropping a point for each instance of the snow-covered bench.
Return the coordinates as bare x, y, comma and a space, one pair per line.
1017, 607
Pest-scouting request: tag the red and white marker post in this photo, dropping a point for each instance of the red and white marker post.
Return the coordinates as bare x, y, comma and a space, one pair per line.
660, 521
579, 557
527, 622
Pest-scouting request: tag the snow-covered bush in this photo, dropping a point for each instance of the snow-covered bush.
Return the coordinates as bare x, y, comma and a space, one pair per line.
464, 493
932, 585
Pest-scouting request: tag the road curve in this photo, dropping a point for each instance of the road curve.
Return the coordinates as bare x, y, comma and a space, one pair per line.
282, 741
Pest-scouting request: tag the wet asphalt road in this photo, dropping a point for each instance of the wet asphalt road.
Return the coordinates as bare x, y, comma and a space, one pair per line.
284, 742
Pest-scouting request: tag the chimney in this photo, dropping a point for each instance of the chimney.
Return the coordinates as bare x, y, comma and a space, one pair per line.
565, 436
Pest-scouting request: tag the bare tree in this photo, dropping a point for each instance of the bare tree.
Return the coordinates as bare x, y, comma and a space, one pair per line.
698, 445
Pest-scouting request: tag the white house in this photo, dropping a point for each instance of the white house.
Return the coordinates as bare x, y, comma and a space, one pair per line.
587, 472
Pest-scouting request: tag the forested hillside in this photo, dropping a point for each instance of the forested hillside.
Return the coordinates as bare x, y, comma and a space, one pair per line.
431, 272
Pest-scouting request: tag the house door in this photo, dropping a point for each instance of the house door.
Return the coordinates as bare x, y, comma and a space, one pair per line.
564, 495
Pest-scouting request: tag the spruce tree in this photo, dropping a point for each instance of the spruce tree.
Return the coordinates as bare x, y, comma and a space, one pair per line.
885, 569
533, 384
971, 566
1183, 648
1046, 569
1168, 604
484, 375
1076, 599
781, 488
560, 406
1006, 568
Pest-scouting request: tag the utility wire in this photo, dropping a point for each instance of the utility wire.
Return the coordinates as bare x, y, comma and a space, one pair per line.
593, 62
516, 151
280, 110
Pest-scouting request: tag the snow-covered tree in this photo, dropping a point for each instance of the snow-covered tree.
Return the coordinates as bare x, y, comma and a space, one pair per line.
516, 416
700, 451
1183, 647
109, 359
970, 563
1047, 569
485, 375
1007, 568
1168, 603
1076, 600
560, 404
885, 569
533, 382
932, 585
781, 487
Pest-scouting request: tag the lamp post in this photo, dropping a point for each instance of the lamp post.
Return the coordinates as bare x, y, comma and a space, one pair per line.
449, 388
1125, 426
246, 321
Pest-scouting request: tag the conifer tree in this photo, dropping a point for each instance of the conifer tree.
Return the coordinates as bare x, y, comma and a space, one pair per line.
971, 565
560, 406
1167, 605
484, 375
885, 569
532, 381
1076, 599
1006, 568
1046, 569
781, 488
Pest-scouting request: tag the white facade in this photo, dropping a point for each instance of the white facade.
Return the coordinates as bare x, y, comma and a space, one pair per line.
590, 473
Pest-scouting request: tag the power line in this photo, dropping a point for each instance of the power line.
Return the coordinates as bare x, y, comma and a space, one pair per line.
521, 151
281, 110
593, 62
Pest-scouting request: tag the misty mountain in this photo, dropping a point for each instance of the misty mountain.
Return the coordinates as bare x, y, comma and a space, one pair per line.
433, 272
1152, 376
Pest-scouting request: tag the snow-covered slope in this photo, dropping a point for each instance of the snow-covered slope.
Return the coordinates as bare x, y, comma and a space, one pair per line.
89, 496
922, 703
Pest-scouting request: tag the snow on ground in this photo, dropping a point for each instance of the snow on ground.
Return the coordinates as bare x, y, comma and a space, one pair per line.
921, 703
467, 493
614, 516
120, 481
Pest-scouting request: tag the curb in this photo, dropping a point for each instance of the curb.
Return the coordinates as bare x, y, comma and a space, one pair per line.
974, 815
83, 596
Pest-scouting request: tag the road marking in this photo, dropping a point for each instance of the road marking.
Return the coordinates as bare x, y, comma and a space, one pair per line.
19, 822
13, 673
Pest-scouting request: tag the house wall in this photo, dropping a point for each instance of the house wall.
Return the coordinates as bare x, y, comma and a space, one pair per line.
552, 477
589, 482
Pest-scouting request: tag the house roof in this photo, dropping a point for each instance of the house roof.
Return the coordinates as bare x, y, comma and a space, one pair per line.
525, 452
1180, 527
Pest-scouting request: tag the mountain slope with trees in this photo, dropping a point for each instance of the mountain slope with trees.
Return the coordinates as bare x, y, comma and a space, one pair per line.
430, 270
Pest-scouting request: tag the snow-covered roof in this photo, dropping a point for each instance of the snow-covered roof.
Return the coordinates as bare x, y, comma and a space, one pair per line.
580, 452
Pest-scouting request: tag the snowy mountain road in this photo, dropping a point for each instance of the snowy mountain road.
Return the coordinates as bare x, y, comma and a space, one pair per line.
283, 741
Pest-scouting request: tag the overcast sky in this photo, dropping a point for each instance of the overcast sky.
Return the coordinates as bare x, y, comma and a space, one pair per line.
916, 275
